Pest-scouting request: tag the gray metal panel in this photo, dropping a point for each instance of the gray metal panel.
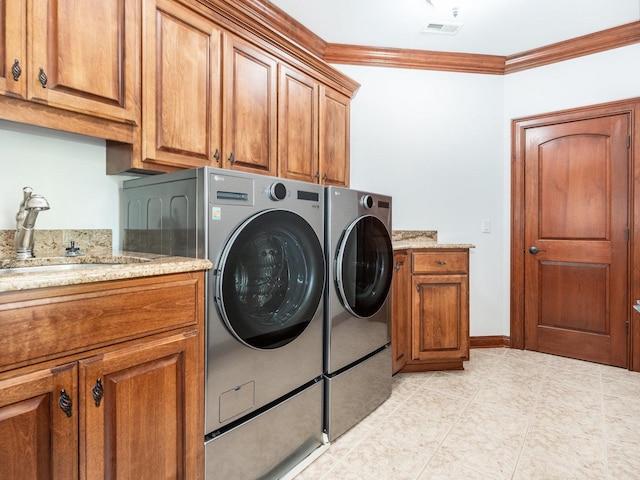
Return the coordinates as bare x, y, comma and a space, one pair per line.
163, 214
353, 394
271, 444
347, 337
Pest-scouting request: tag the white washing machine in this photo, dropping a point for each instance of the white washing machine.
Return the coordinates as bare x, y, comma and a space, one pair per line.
357, 356
264, 357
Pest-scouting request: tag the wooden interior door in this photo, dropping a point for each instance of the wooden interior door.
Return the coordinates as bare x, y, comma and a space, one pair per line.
576, 232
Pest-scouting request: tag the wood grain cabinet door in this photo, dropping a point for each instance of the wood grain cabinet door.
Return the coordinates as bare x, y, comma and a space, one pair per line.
83, 56
250, 108
440, 317
400, 319
13, 48
40, 439
334, 137
181, 87
297, 126
140, 410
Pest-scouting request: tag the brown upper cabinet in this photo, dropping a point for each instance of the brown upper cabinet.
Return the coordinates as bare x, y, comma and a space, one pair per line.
234, 101
250, 108
176, 84
313, 130
181, 89
75, 55
334, 137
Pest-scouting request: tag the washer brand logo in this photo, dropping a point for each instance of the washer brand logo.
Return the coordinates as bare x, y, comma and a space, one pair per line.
218, 178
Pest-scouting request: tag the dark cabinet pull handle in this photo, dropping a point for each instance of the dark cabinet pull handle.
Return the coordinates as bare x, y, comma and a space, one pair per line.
65, 402
324, 177
232, 159
398, 265
16, 70
42, 78
317, 176
441, 262
97, 392
216, 155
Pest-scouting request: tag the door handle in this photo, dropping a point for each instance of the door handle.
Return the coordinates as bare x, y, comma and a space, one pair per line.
534, 250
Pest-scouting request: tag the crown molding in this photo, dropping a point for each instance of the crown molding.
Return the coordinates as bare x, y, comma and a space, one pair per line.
414, 59
611, 38
265, 19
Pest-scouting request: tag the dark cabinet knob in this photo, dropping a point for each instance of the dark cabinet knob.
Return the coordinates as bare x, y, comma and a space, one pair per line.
42, 78
97, 391
65, 402
16, 70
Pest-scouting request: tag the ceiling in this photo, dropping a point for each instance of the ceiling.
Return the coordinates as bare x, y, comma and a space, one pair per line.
492, 27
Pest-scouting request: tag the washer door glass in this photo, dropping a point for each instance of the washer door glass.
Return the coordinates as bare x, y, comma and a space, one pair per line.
364, 266
270, 279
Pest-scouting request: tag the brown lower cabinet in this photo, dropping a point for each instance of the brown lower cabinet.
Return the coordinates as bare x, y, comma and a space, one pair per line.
430, 324
103, 380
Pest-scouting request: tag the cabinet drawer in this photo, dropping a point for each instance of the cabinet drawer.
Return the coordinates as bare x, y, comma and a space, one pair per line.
440, 262
42, 324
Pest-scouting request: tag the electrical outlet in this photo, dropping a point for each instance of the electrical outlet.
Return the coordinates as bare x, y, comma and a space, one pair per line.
486, 226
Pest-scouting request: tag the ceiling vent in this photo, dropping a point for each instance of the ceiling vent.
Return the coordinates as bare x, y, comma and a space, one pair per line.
442, 28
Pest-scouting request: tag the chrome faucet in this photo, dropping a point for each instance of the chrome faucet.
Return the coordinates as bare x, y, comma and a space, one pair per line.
31, 205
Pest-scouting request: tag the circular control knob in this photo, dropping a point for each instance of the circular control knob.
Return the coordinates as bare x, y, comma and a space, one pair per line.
366, 201
277, 191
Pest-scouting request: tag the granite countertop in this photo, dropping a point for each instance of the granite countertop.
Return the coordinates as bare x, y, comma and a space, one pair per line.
95, 268
418, 239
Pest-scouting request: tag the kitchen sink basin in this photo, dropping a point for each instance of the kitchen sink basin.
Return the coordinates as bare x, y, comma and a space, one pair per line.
84, 263
50, 268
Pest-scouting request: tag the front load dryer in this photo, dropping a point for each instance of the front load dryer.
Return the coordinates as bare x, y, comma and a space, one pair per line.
357, 353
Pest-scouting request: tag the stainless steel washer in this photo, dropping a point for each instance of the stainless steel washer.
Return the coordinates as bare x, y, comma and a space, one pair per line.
264, 236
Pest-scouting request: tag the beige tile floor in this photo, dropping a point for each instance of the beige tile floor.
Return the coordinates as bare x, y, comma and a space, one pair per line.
511, 414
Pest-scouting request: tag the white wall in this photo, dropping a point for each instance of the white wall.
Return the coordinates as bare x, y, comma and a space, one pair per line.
434, 142
67, 169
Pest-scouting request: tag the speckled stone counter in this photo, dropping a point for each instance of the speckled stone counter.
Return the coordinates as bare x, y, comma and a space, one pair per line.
414, 239
95, 268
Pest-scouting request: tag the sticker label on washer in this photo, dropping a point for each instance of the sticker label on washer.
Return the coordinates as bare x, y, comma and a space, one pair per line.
216, 213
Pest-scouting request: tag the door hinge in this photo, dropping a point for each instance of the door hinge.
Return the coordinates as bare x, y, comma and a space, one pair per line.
628, 141
626, 327
626, 234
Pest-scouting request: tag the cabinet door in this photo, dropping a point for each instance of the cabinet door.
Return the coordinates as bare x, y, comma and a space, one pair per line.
440, 320
39, 440
297, 126
83, 56
181, 86
250, 118
334, 137
400, 318
13, 48
140, 411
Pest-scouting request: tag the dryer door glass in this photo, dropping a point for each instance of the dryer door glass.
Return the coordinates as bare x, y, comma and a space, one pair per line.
364, 266
270, 279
